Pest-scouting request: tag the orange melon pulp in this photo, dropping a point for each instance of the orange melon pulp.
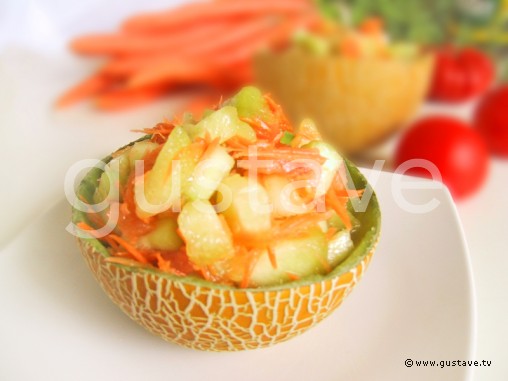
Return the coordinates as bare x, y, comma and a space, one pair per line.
202, 315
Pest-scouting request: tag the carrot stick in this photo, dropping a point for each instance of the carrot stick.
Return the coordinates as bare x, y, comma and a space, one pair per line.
176, 71
86, 89
237, 55
116, 44
192, 14
126, 98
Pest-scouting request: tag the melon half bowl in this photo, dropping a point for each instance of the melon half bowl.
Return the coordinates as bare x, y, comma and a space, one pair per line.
203, 315
357, 103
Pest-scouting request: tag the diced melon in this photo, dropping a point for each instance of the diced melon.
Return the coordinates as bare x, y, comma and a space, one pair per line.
248, 212
207, 239
284, 202
339, 247
295, 258
159, 192
246, 132
208, 174
329, 168
250, 103
163, 237
309, 129
115, 172
139, 150
223, 124
313, 43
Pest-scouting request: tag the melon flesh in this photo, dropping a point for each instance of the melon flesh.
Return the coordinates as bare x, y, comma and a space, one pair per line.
248, 211
207, 239
163, 237
295, 258
159, 192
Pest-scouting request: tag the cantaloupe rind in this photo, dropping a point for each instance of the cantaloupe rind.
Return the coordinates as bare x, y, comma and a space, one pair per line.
202, 315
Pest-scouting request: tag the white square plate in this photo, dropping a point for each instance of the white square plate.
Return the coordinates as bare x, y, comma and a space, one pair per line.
416, 302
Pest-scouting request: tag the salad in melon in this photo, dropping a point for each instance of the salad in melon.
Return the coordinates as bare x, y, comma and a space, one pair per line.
236, 196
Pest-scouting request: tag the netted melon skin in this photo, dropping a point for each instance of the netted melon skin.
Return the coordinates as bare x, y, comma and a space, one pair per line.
219, 319
355, 103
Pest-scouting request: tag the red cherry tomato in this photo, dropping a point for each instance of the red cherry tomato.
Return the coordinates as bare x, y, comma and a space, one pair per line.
457, 150
491, 120
461, 74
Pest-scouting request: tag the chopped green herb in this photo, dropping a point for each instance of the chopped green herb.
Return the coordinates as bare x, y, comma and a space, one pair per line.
287, 138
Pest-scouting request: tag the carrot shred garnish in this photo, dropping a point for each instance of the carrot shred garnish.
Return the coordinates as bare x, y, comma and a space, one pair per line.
292, 276
130, 248
123, 261
339, 207
330, 232
252, 258
272, 257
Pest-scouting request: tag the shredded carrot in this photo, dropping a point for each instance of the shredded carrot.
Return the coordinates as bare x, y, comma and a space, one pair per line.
292, 226
351, 193
237, 142
339, 207
252, 258
296, 142
123, 261
272, 257
90, 230
331, 232
160, 132
292, 276
282, 120
130, 248
166, 265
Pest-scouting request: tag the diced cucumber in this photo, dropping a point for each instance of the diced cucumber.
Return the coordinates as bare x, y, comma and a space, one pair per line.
312, 43
139, 150
115, 172
339, 247
297, 257
248, 213
159, 194
207, 239
284, 203
208, 174
329, 168
223, 124
250, 103
163, 237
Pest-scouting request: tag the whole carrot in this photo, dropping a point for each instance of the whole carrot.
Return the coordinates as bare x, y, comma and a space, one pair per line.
83, 90
192, 14
128, 44
124, 98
